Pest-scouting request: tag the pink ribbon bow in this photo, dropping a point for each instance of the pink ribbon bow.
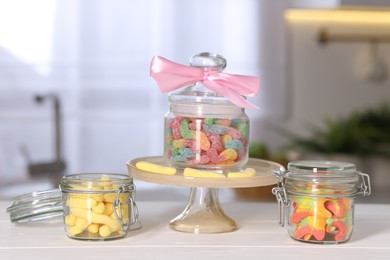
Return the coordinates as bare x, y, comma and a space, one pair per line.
171, 76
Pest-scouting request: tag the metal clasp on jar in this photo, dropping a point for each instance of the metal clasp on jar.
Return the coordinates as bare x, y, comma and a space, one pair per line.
133, 223
365, 186
281, 196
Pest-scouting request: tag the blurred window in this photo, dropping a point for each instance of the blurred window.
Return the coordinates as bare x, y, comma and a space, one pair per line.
95, 55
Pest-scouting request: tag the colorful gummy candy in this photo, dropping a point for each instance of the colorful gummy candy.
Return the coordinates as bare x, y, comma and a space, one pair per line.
90, 213
206, 141
321, 219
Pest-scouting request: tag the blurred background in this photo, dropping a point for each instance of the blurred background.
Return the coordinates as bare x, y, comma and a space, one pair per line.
76, 95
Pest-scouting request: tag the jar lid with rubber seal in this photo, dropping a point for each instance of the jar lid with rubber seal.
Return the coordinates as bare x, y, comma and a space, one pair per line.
36, 206
93, 206
316, 200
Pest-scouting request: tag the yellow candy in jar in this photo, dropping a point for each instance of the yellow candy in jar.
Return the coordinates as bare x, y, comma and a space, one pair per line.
89, 210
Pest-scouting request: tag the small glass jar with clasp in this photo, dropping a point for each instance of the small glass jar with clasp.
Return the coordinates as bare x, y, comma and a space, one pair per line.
316, 200
98, 207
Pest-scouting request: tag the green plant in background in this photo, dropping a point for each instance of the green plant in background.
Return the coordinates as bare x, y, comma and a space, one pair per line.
362, 133
260, 150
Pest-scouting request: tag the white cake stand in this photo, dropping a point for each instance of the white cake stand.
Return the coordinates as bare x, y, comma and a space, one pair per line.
203, 213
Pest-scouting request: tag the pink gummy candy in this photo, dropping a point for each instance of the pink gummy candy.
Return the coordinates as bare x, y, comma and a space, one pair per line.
342, 230
196, 124
233, 132
175, 126
213, 155
215, 142
204, 159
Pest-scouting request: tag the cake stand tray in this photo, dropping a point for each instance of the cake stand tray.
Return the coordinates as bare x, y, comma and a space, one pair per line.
203, 213
264, 175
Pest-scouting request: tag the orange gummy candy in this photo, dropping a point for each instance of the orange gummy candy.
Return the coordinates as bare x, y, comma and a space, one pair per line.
311, 226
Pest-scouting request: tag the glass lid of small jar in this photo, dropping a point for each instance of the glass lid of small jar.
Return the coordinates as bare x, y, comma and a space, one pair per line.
35, 206
85, 182
318, 169
322, 177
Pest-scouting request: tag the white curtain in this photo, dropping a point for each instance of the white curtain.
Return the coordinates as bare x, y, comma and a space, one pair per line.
95, 55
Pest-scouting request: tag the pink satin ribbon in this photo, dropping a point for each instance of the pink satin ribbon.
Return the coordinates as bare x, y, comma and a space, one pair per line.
171, 76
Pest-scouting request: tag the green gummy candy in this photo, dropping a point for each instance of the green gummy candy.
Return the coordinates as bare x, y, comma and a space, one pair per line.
244, 129
174, 150
185, 131
209, 121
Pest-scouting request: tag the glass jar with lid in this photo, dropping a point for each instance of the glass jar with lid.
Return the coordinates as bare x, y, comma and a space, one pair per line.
93, 206
98, 207
204, 129
316, 200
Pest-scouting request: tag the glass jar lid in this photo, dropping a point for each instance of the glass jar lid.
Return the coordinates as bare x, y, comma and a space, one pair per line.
321, 170
323, 178
205, 61
197, 96
36, 206
321, 166
86, 182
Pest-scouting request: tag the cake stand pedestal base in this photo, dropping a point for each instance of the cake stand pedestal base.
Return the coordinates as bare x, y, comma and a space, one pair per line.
203, 214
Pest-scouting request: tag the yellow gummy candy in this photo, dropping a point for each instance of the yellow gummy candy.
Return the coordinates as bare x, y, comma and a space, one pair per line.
104, 231
178, 143
90, 214
75, 231
155, 168
105, 181
108, 209
70, 220
226, 138
81, 223
99, 208
190, 172
96, 218
229, 154
80, 202
93, 228
248, 172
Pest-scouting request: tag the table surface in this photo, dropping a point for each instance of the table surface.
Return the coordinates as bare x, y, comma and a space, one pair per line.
259, 237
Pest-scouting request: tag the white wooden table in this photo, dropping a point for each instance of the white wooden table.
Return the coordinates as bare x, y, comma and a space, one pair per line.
259, 237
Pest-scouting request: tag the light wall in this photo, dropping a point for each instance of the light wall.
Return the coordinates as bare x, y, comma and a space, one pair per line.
332, 80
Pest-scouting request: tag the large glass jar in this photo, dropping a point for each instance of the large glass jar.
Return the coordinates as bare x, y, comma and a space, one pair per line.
203, 129
316, 200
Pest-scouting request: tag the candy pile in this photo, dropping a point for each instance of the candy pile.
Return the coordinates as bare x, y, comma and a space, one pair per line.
321, 219
206, 141
91, 215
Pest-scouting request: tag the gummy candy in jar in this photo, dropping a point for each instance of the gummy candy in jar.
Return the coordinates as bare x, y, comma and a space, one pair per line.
316, 200
93, 206
98, 207
206, 126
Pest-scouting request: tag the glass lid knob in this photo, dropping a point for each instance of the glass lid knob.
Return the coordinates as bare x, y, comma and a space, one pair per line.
208, 60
